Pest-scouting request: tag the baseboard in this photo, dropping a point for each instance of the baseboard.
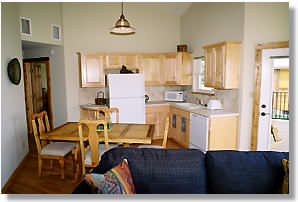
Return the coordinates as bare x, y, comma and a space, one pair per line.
10, 179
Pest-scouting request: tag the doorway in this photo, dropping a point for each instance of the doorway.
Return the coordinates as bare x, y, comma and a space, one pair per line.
37, 85
263, 110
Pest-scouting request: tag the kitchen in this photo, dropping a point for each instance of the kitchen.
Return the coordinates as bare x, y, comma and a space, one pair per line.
160, 27
191, 125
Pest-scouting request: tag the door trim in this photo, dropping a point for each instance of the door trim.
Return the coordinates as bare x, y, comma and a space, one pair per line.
256, 99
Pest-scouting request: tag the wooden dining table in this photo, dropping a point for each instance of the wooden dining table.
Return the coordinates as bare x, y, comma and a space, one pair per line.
126, 133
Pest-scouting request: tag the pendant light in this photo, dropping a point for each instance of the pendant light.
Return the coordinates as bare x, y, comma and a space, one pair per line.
122, 26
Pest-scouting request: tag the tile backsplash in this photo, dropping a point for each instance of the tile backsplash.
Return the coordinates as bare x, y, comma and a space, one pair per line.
155, 93
229, 98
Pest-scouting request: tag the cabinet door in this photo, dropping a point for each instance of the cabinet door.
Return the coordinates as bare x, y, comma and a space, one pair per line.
219, 67
179, 126
222, 137
184, 68
92, 70
150, 67
169, 68
209, 67
116, 60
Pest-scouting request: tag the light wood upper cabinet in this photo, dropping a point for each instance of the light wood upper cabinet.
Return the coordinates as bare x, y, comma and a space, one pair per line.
92, 70
177, 68
184, 68
150, 65
169, 69
222, 65
116, 60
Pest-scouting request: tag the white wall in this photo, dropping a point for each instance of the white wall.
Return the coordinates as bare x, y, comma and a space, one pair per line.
57, 79
263, 23
208, 23
87, 26
42, 15
14, 141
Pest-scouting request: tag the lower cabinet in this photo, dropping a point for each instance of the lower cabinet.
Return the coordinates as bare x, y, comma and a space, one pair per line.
179, 126
214, 133
223, 133
157, 115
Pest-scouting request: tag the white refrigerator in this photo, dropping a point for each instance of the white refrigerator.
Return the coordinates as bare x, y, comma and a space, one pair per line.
126, 92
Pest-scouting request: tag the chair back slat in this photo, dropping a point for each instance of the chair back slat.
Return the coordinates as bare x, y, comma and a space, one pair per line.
107, 113
93, 140
40, 124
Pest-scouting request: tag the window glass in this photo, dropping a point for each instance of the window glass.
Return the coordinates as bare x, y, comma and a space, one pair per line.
199, 76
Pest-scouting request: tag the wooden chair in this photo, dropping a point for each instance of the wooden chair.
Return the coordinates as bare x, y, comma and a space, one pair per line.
91, 155
165, 137
106, 112
51, 151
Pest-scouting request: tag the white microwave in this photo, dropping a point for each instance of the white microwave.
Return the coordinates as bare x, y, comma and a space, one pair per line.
176, 96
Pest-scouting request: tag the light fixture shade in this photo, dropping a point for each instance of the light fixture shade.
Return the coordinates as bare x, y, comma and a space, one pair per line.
122, 26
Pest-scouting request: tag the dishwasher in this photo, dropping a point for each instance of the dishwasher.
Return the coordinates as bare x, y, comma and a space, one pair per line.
198, 132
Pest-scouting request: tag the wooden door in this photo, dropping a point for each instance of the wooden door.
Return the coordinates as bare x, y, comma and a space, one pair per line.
37, 78
36, 82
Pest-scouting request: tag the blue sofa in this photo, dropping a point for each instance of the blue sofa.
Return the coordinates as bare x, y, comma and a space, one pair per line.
190, 171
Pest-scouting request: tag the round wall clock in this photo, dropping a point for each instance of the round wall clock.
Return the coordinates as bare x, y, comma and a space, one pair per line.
14, 71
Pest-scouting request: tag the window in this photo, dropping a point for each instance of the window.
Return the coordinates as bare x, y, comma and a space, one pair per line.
25, 24
56, 32
198, 84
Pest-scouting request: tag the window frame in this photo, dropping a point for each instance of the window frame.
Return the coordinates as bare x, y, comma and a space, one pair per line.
196, 75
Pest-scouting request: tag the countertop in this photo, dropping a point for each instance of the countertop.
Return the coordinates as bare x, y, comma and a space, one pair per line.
201, 110
92, 106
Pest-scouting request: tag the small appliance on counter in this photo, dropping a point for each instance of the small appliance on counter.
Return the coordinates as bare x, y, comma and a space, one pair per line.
175, 96
214, 104
100, 100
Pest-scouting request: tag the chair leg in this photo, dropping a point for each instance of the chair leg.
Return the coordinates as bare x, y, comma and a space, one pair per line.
39, 166
61, 162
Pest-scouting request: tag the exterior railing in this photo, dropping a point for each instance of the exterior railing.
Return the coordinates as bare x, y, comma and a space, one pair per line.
280, 105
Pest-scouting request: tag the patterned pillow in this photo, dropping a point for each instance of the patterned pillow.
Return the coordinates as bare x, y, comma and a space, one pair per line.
285, 184
118, 180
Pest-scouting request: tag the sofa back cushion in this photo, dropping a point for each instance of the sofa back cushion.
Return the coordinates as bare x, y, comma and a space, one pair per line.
240, 172
160, 171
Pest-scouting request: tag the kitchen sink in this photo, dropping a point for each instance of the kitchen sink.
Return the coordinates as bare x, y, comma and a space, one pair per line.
188, 105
